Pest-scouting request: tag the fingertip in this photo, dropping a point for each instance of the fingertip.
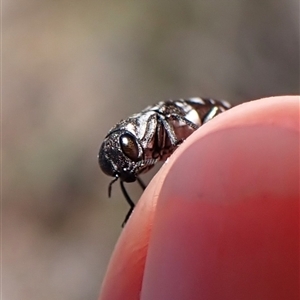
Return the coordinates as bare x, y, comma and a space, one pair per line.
218, 214
228, 213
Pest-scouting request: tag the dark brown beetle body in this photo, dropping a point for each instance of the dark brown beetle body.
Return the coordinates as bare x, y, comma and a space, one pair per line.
135, 145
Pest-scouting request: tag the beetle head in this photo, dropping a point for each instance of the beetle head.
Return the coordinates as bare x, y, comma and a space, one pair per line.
119, 155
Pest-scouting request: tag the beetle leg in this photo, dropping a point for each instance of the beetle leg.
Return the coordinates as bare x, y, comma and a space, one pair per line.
169, 130
184, 120
141, 183
129, 201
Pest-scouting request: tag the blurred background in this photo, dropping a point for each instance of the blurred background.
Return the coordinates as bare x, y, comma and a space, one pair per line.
71, 70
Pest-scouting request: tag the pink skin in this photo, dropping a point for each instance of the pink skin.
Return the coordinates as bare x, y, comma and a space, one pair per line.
220, 220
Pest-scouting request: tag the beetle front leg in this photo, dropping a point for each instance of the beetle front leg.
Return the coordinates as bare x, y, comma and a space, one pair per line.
129, 201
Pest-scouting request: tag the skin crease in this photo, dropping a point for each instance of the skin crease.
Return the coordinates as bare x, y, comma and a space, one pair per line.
220, 220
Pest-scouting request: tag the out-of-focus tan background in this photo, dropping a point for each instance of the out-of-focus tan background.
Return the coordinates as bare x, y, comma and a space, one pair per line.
71, 70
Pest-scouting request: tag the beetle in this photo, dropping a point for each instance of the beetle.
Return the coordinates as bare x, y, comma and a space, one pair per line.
134, 145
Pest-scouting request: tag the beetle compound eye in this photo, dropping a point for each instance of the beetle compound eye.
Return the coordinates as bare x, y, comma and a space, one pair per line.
129, 146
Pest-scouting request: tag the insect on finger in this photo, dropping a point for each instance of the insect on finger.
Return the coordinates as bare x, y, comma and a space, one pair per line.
134, 145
